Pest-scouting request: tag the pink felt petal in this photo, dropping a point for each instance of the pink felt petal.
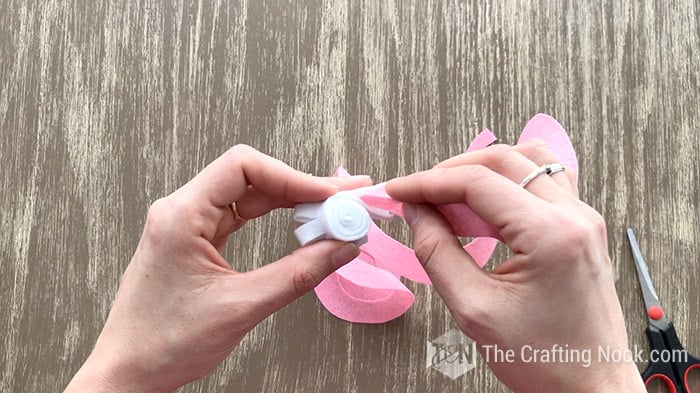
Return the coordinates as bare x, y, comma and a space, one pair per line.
341, 172
385, 203
376, 196
549, 130
371, 295
481, 249
391, 255
482, 140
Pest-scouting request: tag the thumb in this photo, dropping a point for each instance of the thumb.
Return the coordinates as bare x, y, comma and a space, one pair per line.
280, 283
453, 272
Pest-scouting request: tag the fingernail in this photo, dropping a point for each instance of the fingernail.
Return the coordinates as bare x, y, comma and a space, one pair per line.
410, 213
344, 254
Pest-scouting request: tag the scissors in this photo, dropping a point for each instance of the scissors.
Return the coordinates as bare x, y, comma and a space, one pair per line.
669, 361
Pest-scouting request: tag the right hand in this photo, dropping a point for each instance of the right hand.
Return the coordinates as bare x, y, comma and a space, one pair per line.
556, 289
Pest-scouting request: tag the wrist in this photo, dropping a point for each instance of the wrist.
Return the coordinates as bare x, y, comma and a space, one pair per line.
628, 380
619, 377
107, 374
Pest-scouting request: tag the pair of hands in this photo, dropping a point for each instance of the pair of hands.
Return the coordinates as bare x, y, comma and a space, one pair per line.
181, 308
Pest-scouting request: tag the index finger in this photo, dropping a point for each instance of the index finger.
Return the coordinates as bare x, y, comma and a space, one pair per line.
255, 203
493, 197
227, 178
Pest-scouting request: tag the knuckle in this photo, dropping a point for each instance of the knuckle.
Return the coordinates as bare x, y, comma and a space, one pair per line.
581, 233
494, 154
503, 159
536, 150
240, 150
306, 279
480, 174
165, 218
536, 144
158, 214
573, 236
426, 247
498, 148
597, 227
241, 147
512, 157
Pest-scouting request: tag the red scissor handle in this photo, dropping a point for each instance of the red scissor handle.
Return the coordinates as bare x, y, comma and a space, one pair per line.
685, 376
669, 383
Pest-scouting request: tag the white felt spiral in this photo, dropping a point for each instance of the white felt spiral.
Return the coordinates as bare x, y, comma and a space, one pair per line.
346, 218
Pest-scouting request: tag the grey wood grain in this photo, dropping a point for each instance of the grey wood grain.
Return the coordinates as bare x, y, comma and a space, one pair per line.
106, 106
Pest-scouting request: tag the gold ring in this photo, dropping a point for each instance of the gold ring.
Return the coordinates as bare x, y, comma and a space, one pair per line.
234, 210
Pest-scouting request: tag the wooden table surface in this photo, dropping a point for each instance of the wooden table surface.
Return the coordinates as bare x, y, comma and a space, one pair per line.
106, 106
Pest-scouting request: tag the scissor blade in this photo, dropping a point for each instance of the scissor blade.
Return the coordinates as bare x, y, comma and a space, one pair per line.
648, 291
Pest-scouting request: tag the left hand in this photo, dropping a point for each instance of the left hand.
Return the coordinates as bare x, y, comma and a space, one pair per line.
181, 308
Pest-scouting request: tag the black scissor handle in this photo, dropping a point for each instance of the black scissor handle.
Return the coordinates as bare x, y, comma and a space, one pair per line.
673, 372
683, 361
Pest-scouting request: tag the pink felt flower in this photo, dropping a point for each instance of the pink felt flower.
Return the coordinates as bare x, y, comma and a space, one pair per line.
369, 289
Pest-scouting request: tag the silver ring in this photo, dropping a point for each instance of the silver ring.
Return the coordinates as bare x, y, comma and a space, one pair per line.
548, 169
